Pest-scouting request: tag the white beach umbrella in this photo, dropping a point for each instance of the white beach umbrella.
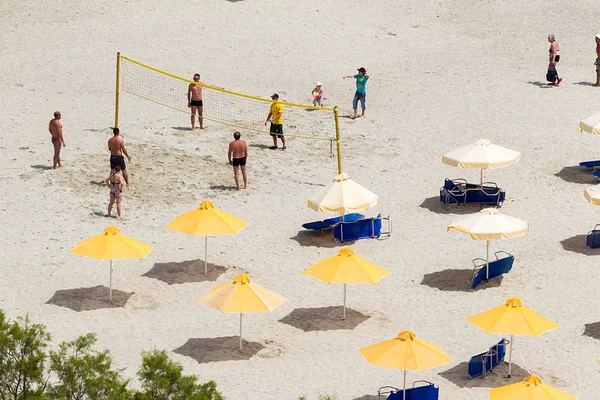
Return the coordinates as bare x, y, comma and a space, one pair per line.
342, 196
592, 195
481, 155
591, 124
489, 224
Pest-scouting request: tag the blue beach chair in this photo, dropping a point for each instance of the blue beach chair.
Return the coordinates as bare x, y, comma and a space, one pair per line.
421, 390
596, 173
364, 228
458, 191
482, 364
328, 223
590, 164
496, 268
593, 238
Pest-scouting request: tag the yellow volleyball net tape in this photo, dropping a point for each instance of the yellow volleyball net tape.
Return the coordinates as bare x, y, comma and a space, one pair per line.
222, 106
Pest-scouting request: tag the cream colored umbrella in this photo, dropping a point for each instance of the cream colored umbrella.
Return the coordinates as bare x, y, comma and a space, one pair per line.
592, 195
489, 224
342, 196
481, 155
591, 124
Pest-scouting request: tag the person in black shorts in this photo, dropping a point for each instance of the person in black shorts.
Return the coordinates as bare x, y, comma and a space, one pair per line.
237, 155
275, 117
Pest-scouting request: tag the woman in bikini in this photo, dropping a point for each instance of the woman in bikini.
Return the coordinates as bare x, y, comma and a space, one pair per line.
115, 184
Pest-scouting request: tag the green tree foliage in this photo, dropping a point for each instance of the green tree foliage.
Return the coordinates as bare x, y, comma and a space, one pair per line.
22, 358
163, 379
83, 373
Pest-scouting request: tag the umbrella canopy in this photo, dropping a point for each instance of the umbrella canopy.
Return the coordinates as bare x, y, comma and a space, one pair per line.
531, 388
481, 155
241, 296
488, 225
111, 245
346, 267
405, 352
513, 318
206, 220
342, 196
591, 124
592, 195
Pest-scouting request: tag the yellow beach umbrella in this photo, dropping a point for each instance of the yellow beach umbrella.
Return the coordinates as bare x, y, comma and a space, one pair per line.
241, 296
591, 124
111, 245
592, 195
342, 196
346, 267
481, 155
531, 388
206, 220
405, 352
488, 225
513, 318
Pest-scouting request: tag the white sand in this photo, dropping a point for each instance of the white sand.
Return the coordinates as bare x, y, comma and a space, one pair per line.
444, 74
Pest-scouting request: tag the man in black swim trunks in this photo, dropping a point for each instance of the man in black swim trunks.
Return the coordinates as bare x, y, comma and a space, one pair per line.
116, 146
238, 154
194, 97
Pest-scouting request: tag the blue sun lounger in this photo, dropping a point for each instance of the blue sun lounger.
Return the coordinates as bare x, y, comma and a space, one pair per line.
364, 228
496, 268
590, 164
596, 173
421, 390
329, 223
458, 191
593, 238
482, 364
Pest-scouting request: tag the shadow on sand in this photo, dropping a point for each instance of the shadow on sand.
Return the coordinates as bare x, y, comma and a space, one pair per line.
175, 273
88, 299
205, 350
498, 377
592, 330
577, 174
541, 85
457, 280
318, 239
43, 167
576, 244
324, 319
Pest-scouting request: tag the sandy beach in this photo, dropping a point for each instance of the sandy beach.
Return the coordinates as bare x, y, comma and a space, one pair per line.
443, 74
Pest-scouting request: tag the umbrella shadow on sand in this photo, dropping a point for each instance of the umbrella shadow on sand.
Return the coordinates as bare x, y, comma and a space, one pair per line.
592, 330
371, 397
205, 350
318, 239
434, 204
577, 244
174, 273
498, 377
577, 174
457, 280
324, 319
88, 299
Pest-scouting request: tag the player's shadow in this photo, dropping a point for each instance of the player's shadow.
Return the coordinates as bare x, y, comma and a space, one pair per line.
577, 174
182, 128
98, 183
260, 146
541, 85
324, 319
222, 187
583, 83
205, 350
43, 167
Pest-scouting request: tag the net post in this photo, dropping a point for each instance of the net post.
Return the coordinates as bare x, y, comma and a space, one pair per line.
117, 90
337, 138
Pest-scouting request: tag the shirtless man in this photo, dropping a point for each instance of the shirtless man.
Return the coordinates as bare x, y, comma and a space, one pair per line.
55, 129
116, 146
194, 97
238, 153
553, 59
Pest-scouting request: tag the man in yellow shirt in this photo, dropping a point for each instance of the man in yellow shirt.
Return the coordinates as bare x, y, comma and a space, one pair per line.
275, 117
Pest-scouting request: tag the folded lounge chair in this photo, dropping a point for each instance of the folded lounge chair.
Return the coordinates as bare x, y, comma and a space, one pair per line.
421, 390
364, 228
458, 191
328, 223
482, 364
590, 164
496, 268
593, 238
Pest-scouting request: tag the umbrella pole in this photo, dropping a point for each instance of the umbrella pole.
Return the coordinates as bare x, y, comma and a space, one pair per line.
110, 283
510, 356
241, 331
487, 260
344, 301
404, 387
205, 254
481, 179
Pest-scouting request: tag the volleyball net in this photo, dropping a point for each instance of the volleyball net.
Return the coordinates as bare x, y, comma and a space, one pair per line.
223, 106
